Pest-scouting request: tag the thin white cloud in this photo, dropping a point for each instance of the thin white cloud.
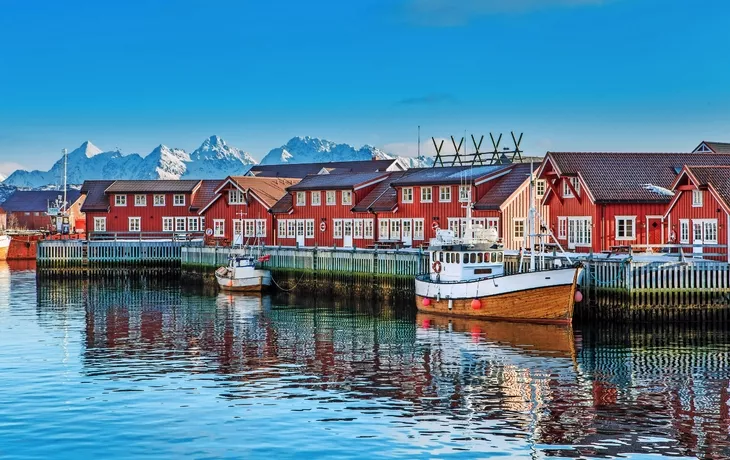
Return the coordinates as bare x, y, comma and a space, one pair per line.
458, 12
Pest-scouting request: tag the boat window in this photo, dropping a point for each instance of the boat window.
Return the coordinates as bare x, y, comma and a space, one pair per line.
494, 257
441, 256
499, 257
482, 271
448, 257
479, 258
458, 258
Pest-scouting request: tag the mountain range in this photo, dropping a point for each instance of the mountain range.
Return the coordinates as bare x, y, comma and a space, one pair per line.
212, 160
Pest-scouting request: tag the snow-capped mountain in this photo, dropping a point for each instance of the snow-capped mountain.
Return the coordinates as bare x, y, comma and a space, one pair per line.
212, 160
312, 150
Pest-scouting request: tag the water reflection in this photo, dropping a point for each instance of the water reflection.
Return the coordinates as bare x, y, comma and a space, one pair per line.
410, 384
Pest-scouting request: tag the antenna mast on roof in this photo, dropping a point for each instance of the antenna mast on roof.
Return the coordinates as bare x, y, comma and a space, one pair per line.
65, 176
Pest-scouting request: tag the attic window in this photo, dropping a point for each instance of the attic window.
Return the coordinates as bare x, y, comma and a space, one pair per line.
236, 196
703, 148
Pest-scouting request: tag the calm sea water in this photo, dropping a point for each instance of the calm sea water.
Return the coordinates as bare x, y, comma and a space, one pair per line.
145, 369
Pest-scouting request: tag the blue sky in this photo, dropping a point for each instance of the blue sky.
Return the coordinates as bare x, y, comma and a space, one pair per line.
572, 74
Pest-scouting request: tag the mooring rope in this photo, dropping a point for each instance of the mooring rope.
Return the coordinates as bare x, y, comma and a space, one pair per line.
618, 276
291, 288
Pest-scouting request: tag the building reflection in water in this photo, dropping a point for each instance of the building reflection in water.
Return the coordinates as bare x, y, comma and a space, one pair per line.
599, 391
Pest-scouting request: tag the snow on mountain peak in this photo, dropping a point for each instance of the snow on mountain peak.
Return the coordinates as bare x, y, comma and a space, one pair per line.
86, 149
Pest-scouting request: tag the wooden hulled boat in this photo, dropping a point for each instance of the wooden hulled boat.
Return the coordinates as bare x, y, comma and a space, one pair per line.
4, 246
244, 274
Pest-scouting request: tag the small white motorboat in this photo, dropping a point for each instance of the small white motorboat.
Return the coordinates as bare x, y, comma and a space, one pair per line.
244, 273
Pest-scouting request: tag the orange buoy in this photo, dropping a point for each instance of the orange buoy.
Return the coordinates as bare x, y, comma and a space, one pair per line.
426, 323
426, 302
578, 296
476, 304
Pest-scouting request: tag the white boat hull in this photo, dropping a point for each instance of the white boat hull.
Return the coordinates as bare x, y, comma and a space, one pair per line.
252, 280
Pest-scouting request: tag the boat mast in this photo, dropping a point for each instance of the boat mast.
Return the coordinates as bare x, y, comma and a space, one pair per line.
531, 221
65, 171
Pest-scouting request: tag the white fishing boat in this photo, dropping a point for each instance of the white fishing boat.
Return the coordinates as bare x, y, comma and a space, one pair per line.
4, 246
467, 278
244, 273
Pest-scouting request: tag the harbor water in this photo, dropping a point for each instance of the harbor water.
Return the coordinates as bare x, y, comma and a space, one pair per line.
149, 368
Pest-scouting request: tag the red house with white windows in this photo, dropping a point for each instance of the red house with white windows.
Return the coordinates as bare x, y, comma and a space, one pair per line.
699, 212
238, 211
134, 207
602, 200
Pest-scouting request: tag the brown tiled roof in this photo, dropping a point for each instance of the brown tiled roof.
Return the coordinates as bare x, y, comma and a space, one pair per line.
96, 199
283, 206
205, 193
619, 177
301, 170
268, 189
336, 181
717, 176
718, 147
446, 175
152, 186
381, 198
504, 187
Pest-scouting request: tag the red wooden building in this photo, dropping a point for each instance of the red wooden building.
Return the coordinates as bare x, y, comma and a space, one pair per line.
602, 200
699, 212
238, 211
28, 209
135, 207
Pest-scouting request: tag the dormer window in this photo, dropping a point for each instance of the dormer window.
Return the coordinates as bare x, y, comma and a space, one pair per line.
236, 196
575, 182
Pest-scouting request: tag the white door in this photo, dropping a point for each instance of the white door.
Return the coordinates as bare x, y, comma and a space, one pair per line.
407, 232
347, 233
698, 237
238, 232
300, 232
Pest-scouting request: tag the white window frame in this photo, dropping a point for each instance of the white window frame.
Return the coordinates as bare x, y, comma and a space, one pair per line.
583, 234
158, 199
337, 229
419, 229
219, 228
236, 196
368, 230
331, 197
281, 226
178, 199
193, 224
309, 230
120, 200
491, 222
464, 193
407, 194
97, 222
261, 228
130, 226
697, 198
301, 198
357, 229
395, 229
518, 224
291, 228
540, 187
383, 229
453, 224
562, 228
178, 221
347, 197
444, 194
567, 192
168, 224
430, 195
316, 198
140, 200
249, 228
683, 231
625, 219
703, 223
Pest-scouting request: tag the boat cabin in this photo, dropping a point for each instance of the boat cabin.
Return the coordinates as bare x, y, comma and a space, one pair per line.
479, 256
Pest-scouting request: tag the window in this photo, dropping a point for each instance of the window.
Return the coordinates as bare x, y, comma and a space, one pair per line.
697, 198
407, 194
310, 228
291, 229
316, 198
562, 228
454, 225
394, 229
575, 182
237, 231
134, 224
368, 229
625, 228
179, 224
540, 188
120, 200
219, 227
261, 228
357, 229
418, 229
684, 231
202, 223
236, 196
464, 193
158, 200
167, 224
445, 193
99, 224
337, 228
178, 199
282, 228
519, 229
492, 222
300, 229
407, 229
331, 200
140, 200
249, 228
193, 224
301, 198
704, 231
426, 194
346, 197
383, 229
579, 231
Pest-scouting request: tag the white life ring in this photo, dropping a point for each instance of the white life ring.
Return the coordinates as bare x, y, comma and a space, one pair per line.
436, 267
435, 225
322, 226
209, 231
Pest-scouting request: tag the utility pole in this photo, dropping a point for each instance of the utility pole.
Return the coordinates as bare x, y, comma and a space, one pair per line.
65, 171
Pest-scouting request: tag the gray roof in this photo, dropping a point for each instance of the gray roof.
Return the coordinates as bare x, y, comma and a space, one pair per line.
36, 200
301, 170
336, 181
446, 175
152, 186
